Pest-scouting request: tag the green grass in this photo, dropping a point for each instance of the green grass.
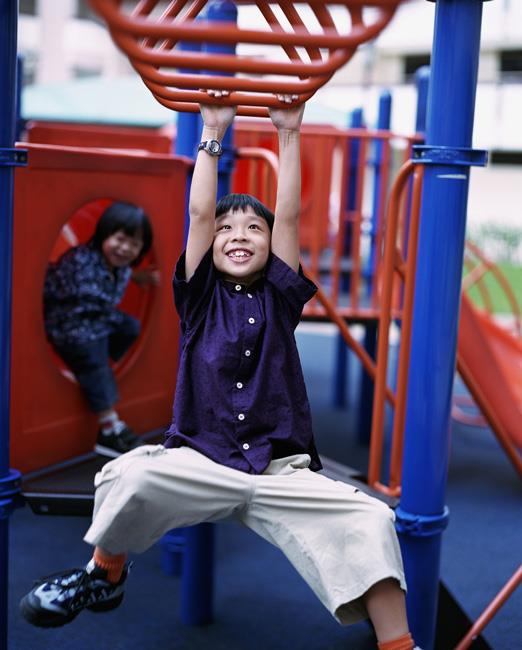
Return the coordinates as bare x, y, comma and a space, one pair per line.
500, 303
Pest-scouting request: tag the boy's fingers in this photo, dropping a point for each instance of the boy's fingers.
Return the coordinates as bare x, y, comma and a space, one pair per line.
287, 99
216, 93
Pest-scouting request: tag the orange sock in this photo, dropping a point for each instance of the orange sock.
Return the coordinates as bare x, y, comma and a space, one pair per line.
404, 642
113, 564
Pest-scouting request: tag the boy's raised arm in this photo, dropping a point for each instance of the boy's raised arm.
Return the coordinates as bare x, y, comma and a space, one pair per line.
202, 200
285, 234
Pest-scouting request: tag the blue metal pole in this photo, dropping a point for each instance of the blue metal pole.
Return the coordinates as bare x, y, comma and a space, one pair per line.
422, 82
223, 11
197, 568
9, 479
383, 124
188, 130
341, 358
422, 515
364, 426
20, 122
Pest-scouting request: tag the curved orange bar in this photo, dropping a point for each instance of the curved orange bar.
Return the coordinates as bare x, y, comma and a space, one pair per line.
150, 43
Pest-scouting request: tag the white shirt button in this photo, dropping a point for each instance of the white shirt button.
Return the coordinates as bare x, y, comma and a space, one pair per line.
241, 416
249, 295
246, 446
239, 385
238, 287
247, 353
251, 321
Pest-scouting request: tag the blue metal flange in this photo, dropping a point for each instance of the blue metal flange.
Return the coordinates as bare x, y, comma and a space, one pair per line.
420, 525
10, 157
10, 497
439, 155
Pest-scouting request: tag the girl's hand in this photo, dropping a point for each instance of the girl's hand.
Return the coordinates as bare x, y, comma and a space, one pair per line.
149, 276
216, 116
287, 119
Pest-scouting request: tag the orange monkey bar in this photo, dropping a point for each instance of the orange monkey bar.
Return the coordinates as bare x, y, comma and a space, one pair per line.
297, 59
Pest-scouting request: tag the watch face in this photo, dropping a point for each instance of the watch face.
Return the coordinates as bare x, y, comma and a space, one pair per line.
214, 146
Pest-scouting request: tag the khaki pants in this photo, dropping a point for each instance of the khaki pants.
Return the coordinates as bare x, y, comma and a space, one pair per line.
339, 539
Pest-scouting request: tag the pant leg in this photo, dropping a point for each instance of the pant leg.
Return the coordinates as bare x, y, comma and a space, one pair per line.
123, 335
90, 364
150, 490
339, 539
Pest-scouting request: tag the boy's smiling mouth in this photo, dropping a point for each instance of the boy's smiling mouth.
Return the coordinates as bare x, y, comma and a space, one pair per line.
239, 254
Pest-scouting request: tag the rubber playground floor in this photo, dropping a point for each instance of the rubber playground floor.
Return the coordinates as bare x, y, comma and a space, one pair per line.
260, 601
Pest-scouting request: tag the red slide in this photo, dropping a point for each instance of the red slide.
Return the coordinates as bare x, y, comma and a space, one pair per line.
489, 360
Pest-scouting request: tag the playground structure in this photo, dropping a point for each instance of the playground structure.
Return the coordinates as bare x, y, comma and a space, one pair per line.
365, 301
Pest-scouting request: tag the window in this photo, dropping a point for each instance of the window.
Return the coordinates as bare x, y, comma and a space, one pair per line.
412, 63
84, 72
84, 11
29, 66
27, 7
505, 157
511, 64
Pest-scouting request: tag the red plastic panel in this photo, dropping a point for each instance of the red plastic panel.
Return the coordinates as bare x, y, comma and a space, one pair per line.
50, 421
317, 146
99, 135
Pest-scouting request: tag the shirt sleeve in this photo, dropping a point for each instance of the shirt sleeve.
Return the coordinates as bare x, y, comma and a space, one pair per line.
191, 298
295, 288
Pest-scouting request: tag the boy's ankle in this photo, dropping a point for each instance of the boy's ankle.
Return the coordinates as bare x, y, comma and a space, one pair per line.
404, 642
112, 564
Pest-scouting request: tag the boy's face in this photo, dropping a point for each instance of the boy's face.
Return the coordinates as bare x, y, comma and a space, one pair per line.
241, 245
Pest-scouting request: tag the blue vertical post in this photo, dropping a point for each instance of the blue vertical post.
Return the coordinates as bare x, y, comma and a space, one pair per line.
223, 11
173, 543
422, 82
341, 358
422, 515
9, 479
383, 124
364, 426
20, 122
198, 557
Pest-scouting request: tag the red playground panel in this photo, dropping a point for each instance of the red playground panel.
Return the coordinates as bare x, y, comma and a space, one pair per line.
50, 421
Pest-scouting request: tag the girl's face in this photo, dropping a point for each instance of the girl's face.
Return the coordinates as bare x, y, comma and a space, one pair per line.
120, 249
241, 245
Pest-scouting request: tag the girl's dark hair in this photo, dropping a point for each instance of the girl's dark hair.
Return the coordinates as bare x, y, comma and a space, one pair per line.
127, 217
240, 203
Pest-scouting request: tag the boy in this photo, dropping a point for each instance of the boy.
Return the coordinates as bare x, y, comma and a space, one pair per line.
241, 441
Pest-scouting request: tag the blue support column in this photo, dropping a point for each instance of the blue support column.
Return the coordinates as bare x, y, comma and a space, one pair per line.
364, 426
188, 130
9, 479
191, 550
20, 122
422, 82
341, 357
383, 124
422, 515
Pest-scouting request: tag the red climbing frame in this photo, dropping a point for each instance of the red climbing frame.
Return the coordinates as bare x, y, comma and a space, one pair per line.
299, 61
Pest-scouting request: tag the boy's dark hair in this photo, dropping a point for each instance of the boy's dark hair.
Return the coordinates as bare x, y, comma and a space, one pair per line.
127, 217
240, 203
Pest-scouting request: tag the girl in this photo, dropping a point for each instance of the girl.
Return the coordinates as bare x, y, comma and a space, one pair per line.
81, 292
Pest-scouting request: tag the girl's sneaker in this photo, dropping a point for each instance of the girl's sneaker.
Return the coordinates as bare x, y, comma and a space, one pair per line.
114, 444
59, 598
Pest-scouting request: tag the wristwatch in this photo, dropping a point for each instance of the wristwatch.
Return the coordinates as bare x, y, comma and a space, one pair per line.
212, 147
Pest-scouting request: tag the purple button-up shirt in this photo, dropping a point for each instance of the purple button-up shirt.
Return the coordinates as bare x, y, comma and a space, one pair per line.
240, 396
